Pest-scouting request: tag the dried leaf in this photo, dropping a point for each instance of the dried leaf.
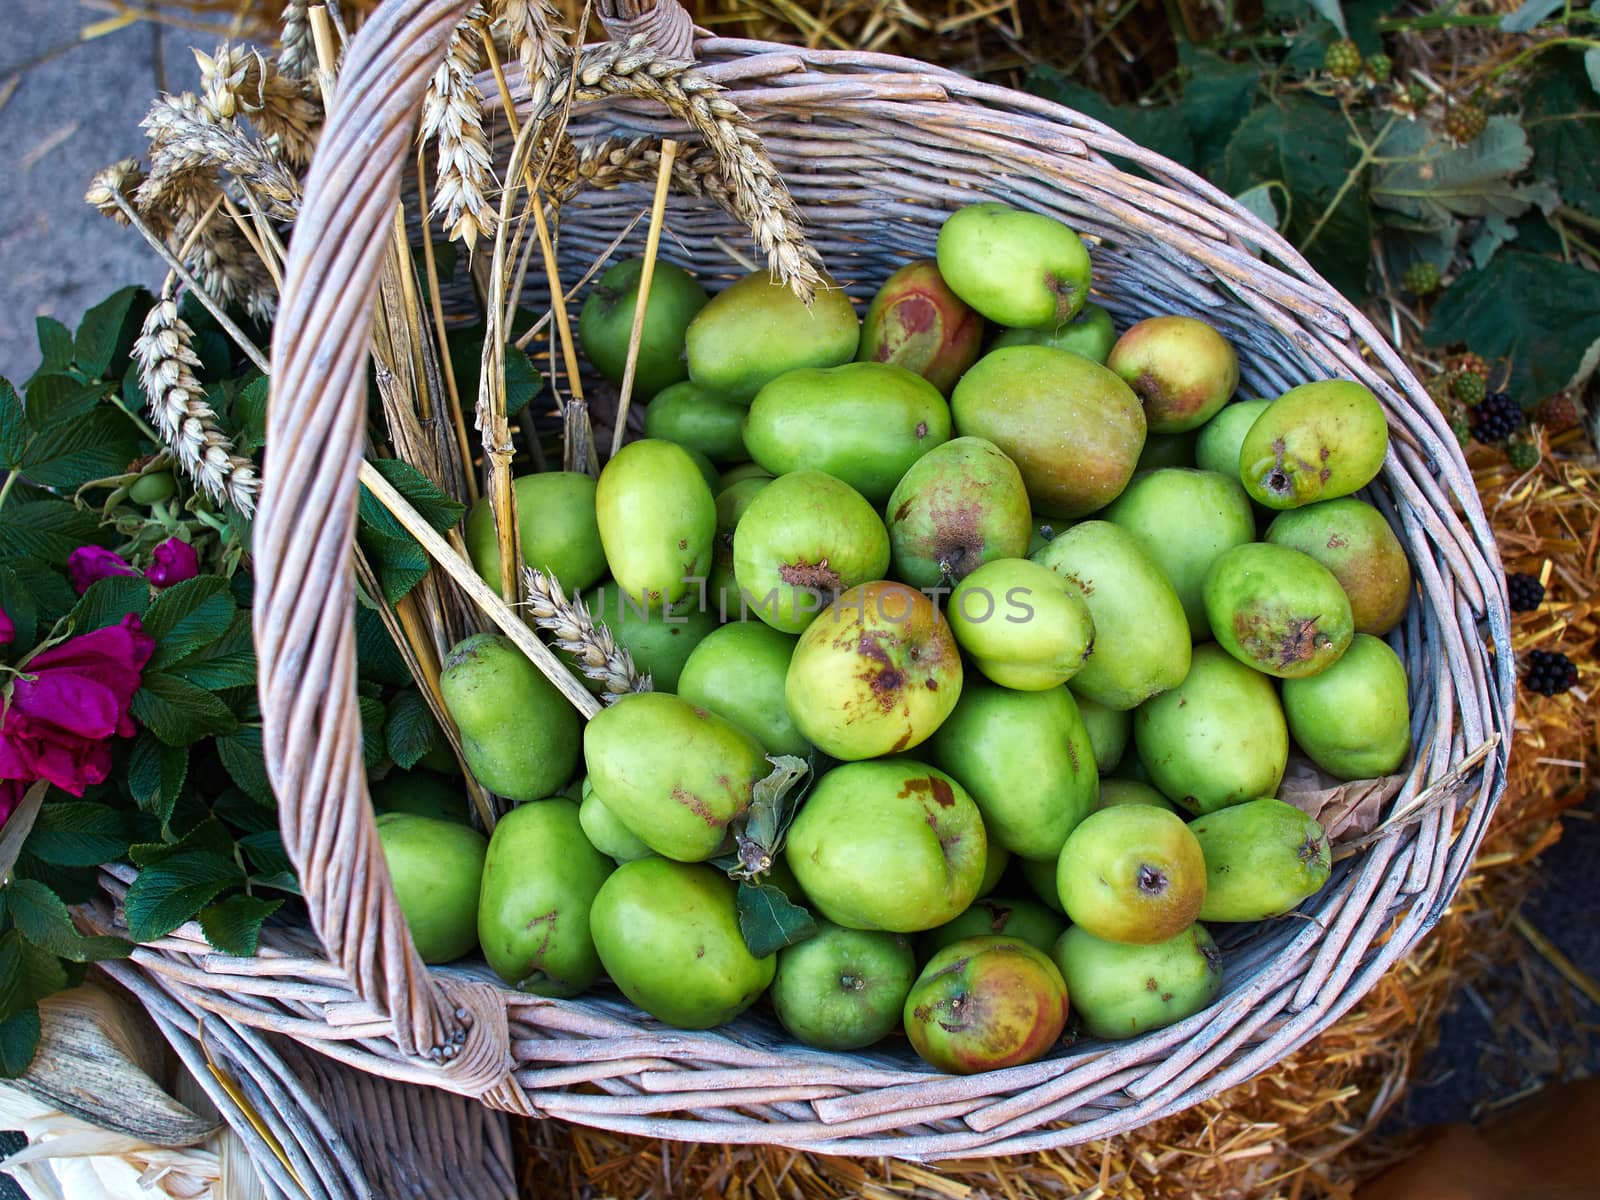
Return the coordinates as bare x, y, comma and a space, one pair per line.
1345, 808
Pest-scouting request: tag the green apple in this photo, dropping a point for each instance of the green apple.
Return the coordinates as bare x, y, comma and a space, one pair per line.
556, 529
1024, 626
1032, 922
842, 989
738, 673
893, 844
984, 1003
437, 868
1132, 873
605, 326
877, 672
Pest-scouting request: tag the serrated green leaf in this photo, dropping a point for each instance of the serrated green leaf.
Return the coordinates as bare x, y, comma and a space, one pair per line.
13, 426
109, 600
436, 508
250, 414
44, 920
27, 974
20, 605
1307, 147
1217, 96
100, 334
19, 1039
769, 920
77, 833
401, 563
55, 346
1541, 314
1433, 182
73, 453
59, 399
373, 715
208, 835
266, 853
47, 529
376, 655
241, 755
188, 616
523, 381
1162, 129
228, 662
156, 774
53, 596
410, 728
174, 890
178, 712
75, 885
233, 925
1558, 109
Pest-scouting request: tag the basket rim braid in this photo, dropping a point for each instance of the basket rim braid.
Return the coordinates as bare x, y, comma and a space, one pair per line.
860, 139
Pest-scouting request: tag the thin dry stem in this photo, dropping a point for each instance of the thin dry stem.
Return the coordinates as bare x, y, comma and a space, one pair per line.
591, 646
165, 354
641, 304
452, 116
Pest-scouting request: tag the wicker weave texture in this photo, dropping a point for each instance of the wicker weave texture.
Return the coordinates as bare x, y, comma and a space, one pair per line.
876, 151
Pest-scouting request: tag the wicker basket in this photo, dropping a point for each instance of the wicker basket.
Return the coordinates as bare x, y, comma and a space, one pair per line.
876, 150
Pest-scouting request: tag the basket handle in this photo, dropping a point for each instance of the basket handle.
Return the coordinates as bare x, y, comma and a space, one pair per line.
305, 601
666, 23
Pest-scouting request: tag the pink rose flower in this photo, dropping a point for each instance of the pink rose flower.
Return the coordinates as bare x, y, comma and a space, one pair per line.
72, 701
88, 565
10, 796
172, 562
7, 629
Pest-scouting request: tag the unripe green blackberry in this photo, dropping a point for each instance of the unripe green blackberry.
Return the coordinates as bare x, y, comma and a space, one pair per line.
1342, 61
1421, 279
1380, 67
1418, 95
1462, 429
1465, 122
1523, 456
1469, 388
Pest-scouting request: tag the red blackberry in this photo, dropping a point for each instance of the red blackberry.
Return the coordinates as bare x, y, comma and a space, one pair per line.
1496, 419
1525, 591
1549, 673
1468, 362
1561, 412
1465, 122
1342, 60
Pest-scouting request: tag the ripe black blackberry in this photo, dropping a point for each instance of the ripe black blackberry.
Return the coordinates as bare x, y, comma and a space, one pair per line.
1496, 419
1526, 592
1549, 673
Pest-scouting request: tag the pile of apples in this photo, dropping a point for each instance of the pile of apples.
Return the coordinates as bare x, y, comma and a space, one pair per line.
1025, 613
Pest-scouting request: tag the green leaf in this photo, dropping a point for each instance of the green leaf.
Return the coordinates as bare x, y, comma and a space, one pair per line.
1330, 12
769, 921
59, 399
242, 756
1259, 201
376, 655
438, 509
187, 616
228, 662
44, 920
1541, 314
208, 835
13, 426
47, 529
109, 600
401, 563
1433, 182
410, 728
78, 833
267, 855
1217, 96
373, 715
1558, 109
53, 596
523, 381
250, 414
1591, 65
21, 607
233, 925
19, 1039
174, 890
71, 454
1307, 147
156, 774
55, 346
1528, 14
100, 334
27, 974
178, 712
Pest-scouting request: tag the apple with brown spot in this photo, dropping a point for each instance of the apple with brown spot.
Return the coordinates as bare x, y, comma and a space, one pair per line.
916, 322
876, 673
984, 1003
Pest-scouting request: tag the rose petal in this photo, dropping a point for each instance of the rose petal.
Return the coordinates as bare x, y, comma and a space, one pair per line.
87, 565
173, 561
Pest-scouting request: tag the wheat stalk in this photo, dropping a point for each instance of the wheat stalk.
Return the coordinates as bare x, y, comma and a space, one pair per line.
119, 179
297, 51
592, 647
535, 31
165, 355
239, 82
452, 116
756, 193
189, 143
